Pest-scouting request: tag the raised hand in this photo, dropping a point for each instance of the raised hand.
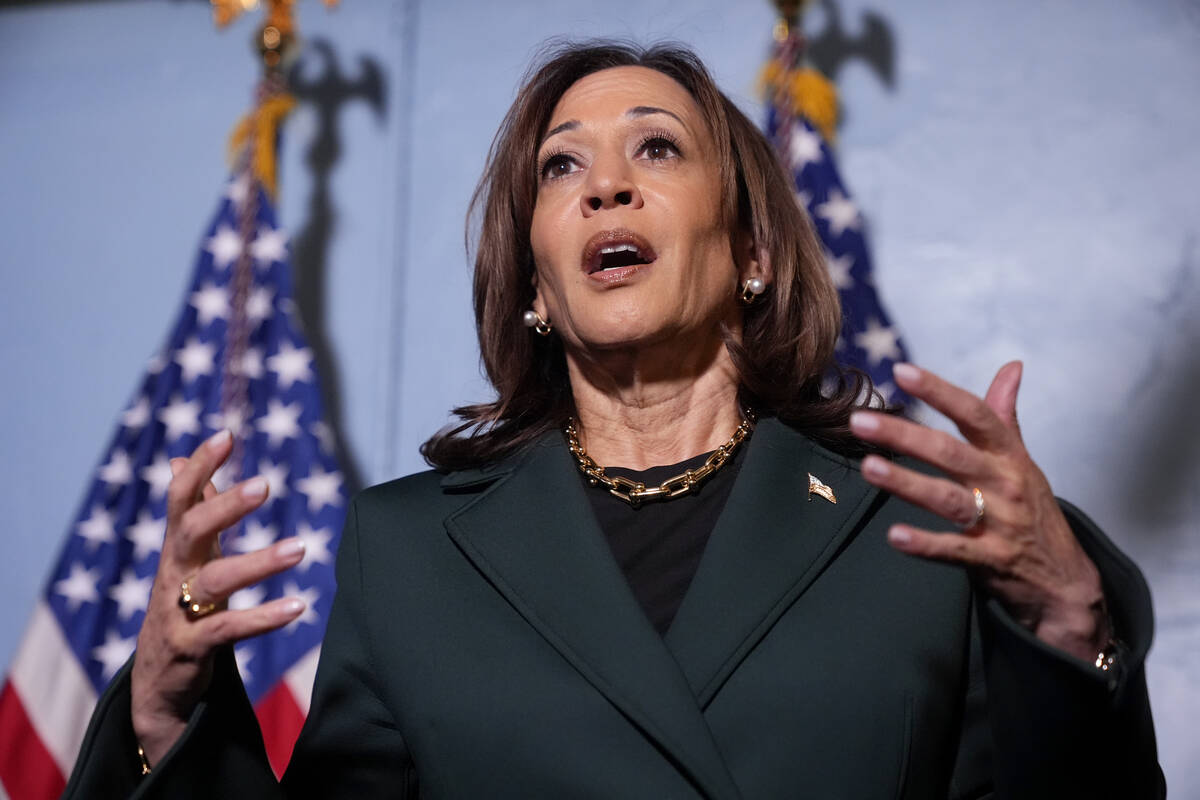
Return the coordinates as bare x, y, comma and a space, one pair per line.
172, 666
1012, 533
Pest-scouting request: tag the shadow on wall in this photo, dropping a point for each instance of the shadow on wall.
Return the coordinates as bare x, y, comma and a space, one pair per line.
1163, 476
317, 80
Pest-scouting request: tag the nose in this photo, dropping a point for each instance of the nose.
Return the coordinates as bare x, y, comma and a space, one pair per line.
609, 185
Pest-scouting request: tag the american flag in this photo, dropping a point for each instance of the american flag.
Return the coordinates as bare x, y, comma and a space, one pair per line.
869, 341
235, 359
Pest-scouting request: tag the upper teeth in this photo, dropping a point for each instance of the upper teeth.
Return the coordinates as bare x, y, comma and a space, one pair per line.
619, 248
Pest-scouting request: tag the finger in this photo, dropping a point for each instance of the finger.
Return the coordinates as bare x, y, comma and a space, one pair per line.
973, 417
197, 529
227, 627
949, 500
177, 465
1001, 396
936, 448
956, 548
220, 578
187, 484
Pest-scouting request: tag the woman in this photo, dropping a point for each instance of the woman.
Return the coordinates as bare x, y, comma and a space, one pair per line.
745, 609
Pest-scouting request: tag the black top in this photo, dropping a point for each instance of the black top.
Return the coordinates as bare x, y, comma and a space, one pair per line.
659, 543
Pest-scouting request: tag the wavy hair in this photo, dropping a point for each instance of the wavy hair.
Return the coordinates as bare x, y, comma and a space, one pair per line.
786, 355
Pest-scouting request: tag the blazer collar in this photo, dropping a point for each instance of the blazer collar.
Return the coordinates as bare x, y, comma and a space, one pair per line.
770, 543
532, 533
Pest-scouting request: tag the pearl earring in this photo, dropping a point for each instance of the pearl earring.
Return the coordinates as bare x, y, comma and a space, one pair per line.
751, 289
533, 319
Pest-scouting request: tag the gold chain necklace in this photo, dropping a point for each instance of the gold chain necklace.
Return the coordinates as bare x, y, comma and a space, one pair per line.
636, 492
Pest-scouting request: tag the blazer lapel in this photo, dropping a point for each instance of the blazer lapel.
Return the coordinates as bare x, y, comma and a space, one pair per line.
771, 541
533, 535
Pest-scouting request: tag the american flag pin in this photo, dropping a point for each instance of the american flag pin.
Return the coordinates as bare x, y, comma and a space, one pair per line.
815, 486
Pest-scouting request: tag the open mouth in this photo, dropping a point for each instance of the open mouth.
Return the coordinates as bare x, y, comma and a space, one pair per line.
615, 250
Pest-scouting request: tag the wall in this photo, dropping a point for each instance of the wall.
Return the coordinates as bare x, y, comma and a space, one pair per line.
1029, 182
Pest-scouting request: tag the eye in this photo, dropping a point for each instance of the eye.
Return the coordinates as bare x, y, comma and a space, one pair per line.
659, 147
557, 165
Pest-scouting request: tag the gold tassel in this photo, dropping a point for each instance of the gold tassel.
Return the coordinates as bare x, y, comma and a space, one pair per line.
810, 93
265, 120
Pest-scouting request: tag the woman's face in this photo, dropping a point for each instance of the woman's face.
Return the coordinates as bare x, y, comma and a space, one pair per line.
628, 235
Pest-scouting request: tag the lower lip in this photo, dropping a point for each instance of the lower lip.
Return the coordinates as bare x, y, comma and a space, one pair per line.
608, 277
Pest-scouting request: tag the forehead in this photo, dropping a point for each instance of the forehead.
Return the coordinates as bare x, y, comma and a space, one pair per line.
618, 89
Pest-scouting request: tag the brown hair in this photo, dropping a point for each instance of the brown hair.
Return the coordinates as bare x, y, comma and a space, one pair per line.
789, 334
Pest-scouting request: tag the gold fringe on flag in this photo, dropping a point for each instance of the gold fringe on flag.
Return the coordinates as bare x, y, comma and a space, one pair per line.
264, 123
809, 94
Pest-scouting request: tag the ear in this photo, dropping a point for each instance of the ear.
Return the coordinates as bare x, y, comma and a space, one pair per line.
751, 262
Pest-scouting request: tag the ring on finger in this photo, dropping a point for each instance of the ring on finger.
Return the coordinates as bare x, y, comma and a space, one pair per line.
980, 509
187, 602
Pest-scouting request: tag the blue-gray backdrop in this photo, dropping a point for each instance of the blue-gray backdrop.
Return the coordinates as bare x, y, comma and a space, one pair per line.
1029, 181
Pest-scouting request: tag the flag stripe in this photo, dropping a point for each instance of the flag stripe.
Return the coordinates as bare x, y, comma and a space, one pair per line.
58, 696
280, 719
27, 770
300, 678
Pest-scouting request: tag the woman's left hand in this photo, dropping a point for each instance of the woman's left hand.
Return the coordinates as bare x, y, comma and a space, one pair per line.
1021, 549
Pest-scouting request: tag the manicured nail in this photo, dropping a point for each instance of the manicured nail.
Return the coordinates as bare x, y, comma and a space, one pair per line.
899, 535
254, 488
864, 422
875, 466
906, 372
293, 606
218, 439
290, 548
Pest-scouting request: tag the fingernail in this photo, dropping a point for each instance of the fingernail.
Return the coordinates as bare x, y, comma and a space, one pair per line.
898, 535
289, 548
293, 606
254, 488
864, 422
875, 467
218, 439
906, 372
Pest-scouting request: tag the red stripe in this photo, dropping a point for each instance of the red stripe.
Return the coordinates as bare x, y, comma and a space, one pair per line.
27, 769
280, 719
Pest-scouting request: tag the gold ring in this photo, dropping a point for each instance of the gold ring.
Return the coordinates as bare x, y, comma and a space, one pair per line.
980, 508
188, 603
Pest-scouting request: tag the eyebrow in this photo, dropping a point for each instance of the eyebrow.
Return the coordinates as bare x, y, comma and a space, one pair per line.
633, 113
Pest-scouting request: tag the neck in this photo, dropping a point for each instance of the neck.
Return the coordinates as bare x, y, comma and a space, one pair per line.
646, 407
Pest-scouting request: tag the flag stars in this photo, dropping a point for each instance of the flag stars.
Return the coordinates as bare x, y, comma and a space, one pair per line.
804, 147
322, 488
131, 594
238, 189
225, 246
97, 529
269, 246
879, 341
310, 596
119, 469
251, 363
840, 212
839, 270
79, 587
210, 302
195, 359
146, 534
259, 304
291, 364
137, 415
182, 417
113, 654
316, 546
254, 537
281, 422
277, 478
158, 475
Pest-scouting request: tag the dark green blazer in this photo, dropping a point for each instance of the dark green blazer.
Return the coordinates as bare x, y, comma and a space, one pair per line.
484, 644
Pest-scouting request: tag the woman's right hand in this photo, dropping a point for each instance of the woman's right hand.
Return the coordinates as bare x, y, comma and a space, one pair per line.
172, 666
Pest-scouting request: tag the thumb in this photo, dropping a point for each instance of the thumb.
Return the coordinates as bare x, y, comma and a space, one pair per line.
1002, 394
